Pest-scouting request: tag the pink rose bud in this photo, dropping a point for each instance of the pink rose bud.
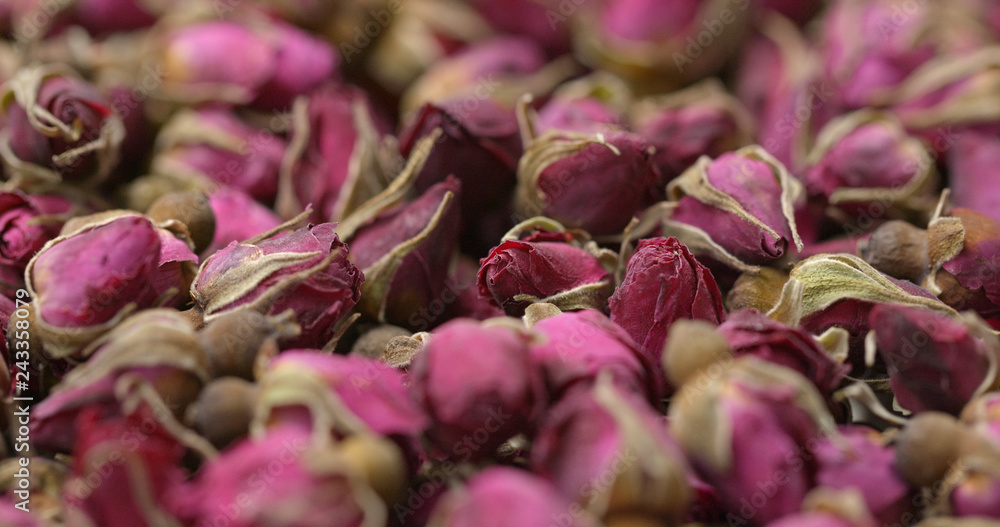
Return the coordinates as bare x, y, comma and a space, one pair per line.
124, 470
237, 218
27, 221
336, 161
663, 283
976, 494
317, 484
306, 270
865, 163
487, 500
216, 145
935, 361
742, 201
970, 167
751, 333
544, 267
749, 431
685, 125
592, 182
862, 459
208, 61
420, 239
476, 401
373, 394
57, 127
609, 451
586, 115
481, 146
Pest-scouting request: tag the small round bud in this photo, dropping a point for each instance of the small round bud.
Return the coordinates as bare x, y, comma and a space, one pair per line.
223, 411
899, 250
927, 446
372, 343
380, 461
191, 208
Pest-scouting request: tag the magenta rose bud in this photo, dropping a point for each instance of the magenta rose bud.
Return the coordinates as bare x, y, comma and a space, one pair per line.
862, 459
603, 433
597, 183
58, 127
422, 237
488, 498
209, 61
338, 166
586, 115
306, 270
751, 333
970, 166
538, 20
216, 145
476, 401
237, 218
742, 201
976, 494
577, 346
935, 362
663, 283
544, 267
27, 221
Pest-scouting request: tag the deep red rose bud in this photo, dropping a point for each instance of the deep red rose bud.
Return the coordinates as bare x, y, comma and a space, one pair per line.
576, 347
592, 182
58, 127
306, 270
752, 333
663, 282
742, 202
27, 221
546, 267
101, 17
538, 20
222, 150
479, 386
487, 500
935, 362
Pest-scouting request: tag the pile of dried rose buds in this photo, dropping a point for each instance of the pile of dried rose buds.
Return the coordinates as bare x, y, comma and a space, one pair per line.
511, 263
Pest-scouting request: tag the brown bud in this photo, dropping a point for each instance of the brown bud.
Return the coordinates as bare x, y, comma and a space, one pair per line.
190, 207
233, 340
927, 446
379, 461
223, 411
758, 290
692, 348
899, 250
373, 342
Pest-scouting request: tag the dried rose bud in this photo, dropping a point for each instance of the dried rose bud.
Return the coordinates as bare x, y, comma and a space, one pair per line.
539, 20
207, 61
237, 340
123, 470
752, 333
27, 221
486, 501
866, 165
190, 208
935, 361
899, 250
585, 115
964, 249
658, 46
237, 218
663, 282
57, 127
610, 452
592, 182
219, 148
101, 17
306, 270
976, 493
480, 146
341, 395
576, 347
156, 347
687, 124
747, 430
741, 202
223, 411
860, 459
544, 267
970, 167
405, 252
927, 447
100, 270
476, 401
316, 483
336, 159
